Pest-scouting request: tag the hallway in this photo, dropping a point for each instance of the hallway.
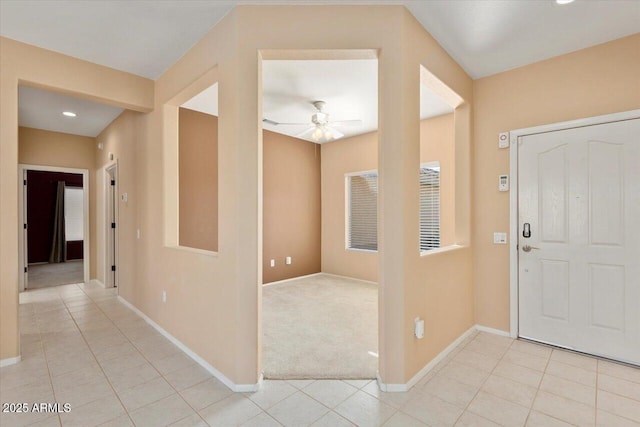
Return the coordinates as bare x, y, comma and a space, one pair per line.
47, 275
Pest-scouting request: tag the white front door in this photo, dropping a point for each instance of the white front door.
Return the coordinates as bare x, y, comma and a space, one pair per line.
579, 271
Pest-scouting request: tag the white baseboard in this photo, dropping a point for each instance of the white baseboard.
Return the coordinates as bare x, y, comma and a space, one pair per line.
97, 282
292, 279
241, 388
369, 282
390, 388
493, 331
10, 361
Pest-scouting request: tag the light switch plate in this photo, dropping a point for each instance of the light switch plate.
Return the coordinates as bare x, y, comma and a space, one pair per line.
500, 238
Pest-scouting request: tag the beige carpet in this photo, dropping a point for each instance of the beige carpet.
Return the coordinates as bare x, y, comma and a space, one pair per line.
64, 273
320, 327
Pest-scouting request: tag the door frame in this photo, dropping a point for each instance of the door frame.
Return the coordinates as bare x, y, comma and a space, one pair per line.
514, 139
22, 218
111, 278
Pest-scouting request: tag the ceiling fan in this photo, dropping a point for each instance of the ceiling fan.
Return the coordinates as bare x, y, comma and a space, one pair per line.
321, 129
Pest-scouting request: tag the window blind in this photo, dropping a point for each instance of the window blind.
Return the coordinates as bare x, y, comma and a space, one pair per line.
429, 208
73, 214
363, 211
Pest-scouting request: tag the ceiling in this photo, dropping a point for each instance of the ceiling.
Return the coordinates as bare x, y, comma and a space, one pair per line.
484, 36
146, 37
349, 87
140, 37
43, 110
489, 36
205, 102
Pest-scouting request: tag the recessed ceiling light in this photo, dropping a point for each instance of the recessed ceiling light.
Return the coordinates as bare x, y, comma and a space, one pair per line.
69, 113
564, 1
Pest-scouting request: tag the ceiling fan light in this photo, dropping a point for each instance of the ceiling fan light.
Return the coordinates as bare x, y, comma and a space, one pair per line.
317, 134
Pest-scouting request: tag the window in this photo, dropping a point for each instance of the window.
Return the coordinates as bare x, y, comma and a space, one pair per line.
429, 206
362, 211
73, 214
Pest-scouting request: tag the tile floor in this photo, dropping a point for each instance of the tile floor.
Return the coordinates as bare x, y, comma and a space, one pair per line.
82, 346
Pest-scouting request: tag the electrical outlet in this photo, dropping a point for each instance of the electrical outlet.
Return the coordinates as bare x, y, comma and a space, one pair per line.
418, 328
287, 260
164, 296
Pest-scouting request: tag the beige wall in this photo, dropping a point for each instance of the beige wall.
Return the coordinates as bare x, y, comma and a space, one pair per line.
291, 219
218, 296
47, 148
198, 180
29, 65
120, 139
599, 80
206, 292
291, 196
360, 153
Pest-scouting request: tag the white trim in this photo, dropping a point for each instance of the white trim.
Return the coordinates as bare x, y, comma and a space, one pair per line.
368, 251
110, 277
514, 235
489, 330
239, 388
514, 137
369, 282
398, 388
86, 249
97, 282
390, 388
10, 361
292, 279
449, 248
193, 250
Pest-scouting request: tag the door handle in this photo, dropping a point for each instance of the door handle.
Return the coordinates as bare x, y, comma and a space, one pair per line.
528, 248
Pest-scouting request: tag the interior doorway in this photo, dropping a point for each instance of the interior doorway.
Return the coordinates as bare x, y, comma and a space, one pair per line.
54, 212
319, 218
111, 225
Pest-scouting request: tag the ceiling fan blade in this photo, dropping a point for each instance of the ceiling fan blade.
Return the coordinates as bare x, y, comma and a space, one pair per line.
335, 133
307, 133
346, 123
274, 123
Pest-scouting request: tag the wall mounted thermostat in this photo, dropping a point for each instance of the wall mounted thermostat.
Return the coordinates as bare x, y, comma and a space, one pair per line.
503, 183
503, 140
